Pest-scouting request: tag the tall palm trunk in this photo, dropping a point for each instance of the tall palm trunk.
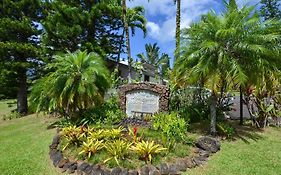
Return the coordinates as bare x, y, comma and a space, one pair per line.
213, 113
22, 107
178, 23
126, 27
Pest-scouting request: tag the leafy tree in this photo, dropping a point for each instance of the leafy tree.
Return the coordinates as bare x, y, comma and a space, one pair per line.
19, 49
78, 82
87, 25
270, 9
224, 51
154, 58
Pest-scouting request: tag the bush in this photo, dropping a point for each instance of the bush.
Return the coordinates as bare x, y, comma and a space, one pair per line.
172, 126
191, 103
225, 130
11, 116
108, 113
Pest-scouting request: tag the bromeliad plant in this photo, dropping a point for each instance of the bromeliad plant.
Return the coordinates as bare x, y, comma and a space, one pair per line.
74, 135
91, 147
117, 150
146, 150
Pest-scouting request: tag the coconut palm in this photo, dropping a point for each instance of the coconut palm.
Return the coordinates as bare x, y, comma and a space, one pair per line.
135, 19
153, 57
126, 29
78, 81
226, 50
178, 29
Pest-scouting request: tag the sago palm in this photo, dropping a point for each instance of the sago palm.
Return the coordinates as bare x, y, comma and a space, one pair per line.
79, 81
225, 50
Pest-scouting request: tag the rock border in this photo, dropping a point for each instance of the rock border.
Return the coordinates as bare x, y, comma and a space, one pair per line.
198, 158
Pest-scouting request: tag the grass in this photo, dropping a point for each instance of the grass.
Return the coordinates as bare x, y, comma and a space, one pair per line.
252, 153
6, 106
25, 146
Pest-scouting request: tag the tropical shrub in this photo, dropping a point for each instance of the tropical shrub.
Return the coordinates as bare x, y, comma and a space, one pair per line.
91, 147
77, 81
146, 150
171, 125
191, 103
117, 150
108, 113
225, 130
74, 135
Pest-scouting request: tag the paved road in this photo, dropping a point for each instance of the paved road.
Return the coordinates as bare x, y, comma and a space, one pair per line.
235, 114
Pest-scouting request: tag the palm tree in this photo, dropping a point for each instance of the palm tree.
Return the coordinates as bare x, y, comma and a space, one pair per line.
79, 81
153, 57
126, 29
225, 50
134, 19
178, 29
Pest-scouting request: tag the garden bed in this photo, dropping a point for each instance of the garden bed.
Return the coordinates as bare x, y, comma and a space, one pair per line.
138, 150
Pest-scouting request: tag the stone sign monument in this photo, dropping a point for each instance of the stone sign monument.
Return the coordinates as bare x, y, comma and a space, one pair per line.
143, 98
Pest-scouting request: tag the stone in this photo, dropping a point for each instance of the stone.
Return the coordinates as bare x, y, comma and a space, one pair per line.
62, 162
83, 166
72, 168
124, 172
144, 170
189, 163
203, 153
208, 144
174, 169
154, 172
198, 161
106, 171
88, 170
79, 172
56, 158
97, 170
116, 171
66, 166
133, 172
56, 140
164, 168
181, 164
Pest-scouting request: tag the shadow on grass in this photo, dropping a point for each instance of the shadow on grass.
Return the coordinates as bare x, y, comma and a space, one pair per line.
246, 133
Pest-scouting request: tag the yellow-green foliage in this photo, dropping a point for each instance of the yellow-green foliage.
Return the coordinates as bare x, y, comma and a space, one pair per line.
91, 147
117, 150
147, 149
73, 135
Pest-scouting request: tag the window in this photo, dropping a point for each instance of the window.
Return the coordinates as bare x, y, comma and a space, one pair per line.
146, 78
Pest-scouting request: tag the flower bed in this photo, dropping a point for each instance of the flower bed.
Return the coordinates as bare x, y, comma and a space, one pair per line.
119, 151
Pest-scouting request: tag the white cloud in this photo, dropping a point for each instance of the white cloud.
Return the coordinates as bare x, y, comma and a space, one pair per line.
161, 14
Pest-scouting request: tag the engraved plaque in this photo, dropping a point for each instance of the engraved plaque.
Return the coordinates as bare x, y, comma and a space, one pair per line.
141, 102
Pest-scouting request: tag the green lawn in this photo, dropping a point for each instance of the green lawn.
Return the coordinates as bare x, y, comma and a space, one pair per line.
6, 106
258, 153
24, 146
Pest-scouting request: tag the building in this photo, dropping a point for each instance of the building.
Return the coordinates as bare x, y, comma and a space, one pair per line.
140, 71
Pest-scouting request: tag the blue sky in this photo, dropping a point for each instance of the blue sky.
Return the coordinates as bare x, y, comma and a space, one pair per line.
161, 15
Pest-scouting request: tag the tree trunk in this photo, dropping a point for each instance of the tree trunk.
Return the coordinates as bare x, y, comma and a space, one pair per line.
213, 114
241, 106
22, 107
178, 23
126, 27
120, 48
